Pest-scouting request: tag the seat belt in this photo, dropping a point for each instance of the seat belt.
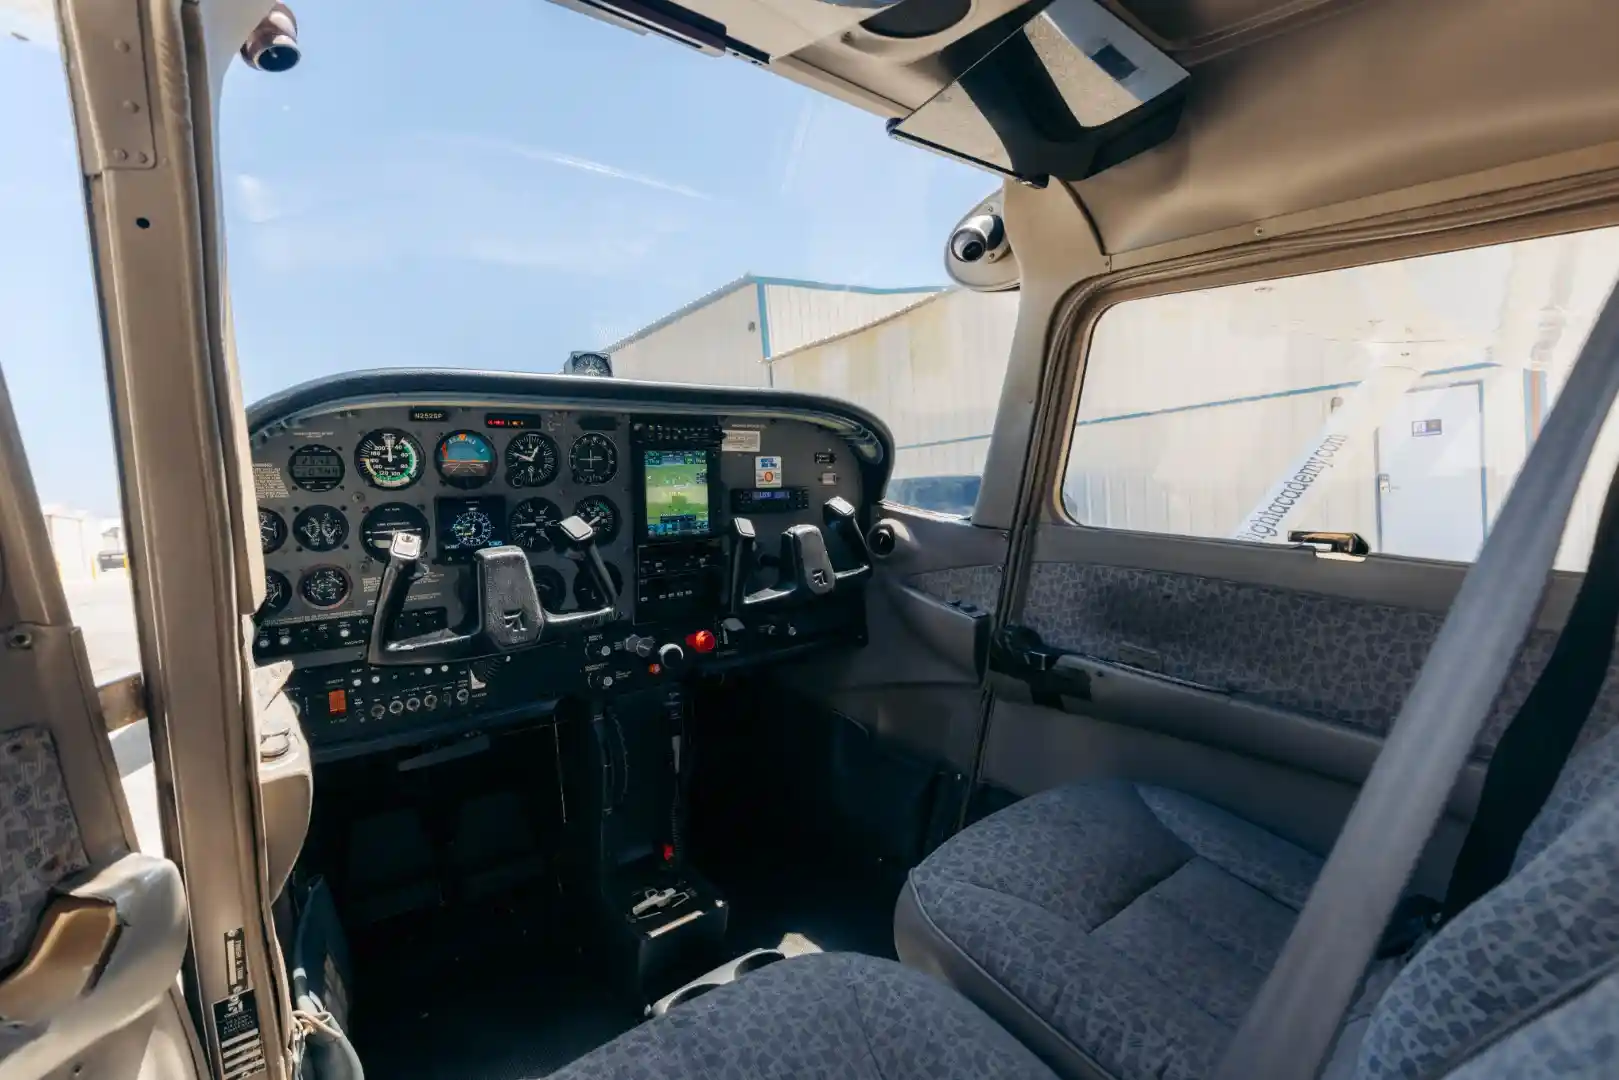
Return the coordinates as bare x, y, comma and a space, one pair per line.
1541, 737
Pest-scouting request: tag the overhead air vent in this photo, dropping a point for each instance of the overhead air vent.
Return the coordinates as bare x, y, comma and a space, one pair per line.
912, 19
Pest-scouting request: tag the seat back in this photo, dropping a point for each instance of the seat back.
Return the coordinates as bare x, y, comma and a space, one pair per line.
1545, 932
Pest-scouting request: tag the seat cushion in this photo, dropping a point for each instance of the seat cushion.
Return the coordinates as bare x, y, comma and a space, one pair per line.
1120, 930
834, 1015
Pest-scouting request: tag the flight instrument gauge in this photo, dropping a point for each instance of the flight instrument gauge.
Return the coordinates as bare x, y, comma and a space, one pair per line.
378, 527
593, 459
465, 459
602, 516
324, 587
552, 589
277, 593
472, 528
585, 591
316, 468
320, 528
531, 524
531, 460
272, 530
389, 459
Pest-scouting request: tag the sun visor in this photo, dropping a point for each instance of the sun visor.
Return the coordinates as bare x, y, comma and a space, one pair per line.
1065, 93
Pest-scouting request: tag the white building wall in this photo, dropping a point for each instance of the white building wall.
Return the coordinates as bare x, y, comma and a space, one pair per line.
933, 372
798, 315
75, 540
716, 344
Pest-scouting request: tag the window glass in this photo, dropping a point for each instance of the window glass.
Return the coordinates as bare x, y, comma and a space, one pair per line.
1394, 401
561, 186
52, 358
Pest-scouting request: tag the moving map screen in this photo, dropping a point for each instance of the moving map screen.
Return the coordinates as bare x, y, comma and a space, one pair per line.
676, 493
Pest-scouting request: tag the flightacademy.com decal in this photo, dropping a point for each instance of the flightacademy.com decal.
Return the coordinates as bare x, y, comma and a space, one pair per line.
1262, 524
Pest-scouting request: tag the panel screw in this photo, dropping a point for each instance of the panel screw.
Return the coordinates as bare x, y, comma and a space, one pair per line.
143, 157
120, 155
131, 107
121, 45
19, 639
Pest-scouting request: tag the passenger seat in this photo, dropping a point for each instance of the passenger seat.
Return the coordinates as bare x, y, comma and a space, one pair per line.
1121, 930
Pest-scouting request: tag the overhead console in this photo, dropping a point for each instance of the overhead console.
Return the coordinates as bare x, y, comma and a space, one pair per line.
449, 551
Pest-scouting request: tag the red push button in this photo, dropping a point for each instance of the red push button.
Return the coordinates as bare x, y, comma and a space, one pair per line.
337, 702
702, 641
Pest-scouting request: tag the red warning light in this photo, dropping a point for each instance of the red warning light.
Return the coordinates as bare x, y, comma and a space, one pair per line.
702, 641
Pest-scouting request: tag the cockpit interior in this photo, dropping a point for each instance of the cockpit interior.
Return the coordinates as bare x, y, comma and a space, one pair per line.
1171, 638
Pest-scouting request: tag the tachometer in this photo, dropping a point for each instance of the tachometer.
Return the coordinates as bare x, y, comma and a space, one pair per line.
378, 527
316, 468
531, 460
320, 528
324, 587
531, 524
272, 530
593, 459
389, 459
601, 514
465, 459
584, 586
277, 593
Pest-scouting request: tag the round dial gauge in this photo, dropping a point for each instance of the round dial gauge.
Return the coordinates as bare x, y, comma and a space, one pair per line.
316, 468
320, 528
531, 460
472, 528
324, 587
389, 459
465, 459
378, 527
277, 593
531, 524
585, 591
593, 459
272, 530
552, 589
601, 514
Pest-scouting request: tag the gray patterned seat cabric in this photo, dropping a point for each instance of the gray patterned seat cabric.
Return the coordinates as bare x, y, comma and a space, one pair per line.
1122, 930
834, 1015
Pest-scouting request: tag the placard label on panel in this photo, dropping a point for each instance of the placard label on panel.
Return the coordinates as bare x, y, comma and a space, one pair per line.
740, 441
267, 482
767, 471
241, 1047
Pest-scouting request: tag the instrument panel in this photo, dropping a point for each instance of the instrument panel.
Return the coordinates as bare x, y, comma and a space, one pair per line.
336, 482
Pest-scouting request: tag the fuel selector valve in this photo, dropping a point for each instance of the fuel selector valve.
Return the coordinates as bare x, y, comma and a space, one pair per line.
805, 569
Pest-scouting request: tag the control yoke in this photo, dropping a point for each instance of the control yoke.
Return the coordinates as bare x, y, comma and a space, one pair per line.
507, 614
805, 569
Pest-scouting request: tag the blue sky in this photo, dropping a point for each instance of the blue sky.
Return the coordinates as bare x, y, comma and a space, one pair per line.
488, 194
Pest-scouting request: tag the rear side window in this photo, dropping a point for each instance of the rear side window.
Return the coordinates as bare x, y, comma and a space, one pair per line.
1394, 401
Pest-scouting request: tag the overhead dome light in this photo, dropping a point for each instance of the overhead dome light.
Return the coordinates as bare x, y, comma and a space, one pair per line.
911, 19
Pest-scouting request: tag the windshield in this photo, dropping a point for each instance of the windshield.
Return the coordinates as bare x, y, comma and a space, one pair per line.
510, 190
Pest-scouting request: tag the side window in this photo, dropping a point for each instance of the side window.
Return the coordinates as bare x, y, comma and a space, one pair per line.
932, 369
1394, 401
53, 362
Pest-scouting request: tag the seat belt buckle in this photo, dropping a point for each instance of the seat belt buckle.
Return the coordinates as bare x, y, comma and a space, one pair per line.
1413, 918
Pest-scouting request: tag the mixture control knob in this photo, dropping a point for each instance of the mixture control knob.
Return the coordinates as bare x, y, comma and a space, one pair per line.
637, 645
673, 658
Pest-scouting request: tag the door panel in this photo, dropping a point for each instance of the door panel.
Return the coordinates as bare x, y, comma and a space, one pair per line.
1261, 678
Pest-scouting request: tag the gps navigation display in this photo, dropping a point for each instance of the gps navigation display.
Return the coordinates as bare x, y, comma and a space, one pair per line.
676, 493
